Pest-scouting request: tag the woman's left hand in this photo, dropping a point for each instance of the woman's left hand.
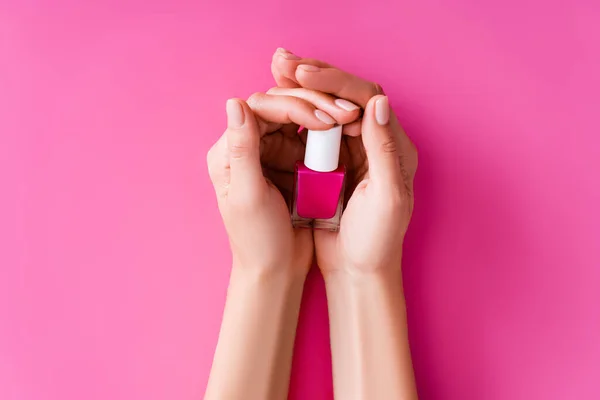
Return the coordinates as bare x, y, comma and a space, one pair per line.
251, 165
252, 169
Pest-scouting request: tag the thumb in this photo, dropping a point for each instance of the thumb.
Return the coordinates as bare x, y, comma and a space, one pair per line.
243, 142
379, 142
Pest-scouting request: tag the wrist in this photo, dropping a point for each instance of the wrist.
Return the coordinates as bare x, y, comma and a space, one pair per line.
351, 273
349, 281
287, 275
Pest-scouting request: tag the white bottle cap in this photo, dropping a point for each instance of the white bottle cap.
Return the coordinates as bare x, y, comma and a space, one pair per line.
323, 149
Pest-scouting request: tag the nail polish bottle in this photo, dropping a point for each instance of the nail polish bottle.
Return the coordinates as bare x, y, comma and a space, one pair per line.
319, 181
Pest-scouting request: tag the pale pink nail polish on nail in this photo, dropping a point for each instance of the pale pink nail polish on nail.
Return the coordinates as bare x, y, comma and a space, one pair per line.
309, 68
324, 117
319, 182
346, 105
288, 55
382, 110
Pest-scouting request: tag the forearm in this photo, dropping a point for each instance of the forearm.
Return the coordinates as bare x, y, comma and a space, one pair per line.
369, 337
254, 352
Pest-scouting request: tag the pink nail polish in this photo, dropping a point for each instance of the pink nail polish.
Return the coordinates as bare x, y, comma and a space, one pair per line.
319, 182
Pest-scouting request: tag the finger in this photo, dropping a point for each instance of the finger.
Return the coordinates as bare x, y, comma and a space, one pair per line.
243, 142
292, 71
380, 144
325, 240
345, 85
281, 152
289, 109
283, 181
343, 111
353, 128
284, 64
357, 157
337, 82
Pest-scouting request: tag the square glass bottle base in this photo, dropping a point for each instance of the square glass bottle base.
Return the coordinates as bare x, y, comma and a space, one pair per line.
331, 224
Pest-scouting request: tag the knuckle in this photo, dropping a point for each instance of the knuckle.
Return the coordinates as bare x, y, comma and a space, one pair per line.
389, 145
239, 149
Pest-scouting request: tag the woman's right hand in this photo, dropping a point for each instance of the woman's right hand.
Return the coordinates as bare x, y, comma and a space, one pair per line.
361, 263
381, 161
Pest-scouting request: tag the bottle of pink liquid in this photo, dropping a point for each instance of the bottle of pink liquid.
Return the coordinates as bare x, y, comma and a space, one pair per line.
318, 198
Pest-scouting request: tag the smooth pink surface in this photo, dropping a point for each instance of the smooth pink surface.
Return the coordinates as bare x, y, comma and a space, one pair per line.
114, 263
318, 193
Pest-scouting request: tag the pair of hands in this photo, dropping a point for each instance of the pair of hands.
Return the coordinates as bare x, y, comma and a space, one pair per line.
252, 170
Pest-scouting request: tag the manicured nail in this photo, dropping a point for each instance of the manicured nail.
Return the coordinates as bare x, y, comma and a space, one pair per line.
235, 114
288, 55
323, 116
346, 105
382, 110
309, 68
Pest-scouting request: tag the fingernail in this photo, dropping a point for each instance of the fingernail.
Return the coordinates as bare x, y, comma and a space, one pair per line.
288, 55
309, 68
382, 110
346, 105
323, 116
235, 114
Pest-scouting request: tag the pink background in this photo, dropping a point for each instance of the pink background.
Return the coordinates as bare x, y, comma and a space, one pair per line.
114, 263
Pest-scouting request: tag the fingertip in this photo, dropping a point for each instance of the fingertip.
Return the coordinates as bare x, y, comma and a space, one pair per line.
376, 106
319, 121
288, 55
241, 117
347, 117
283, 69
373, 99
236, 115
346, 105
324, 117
274, 90
303, 73
382, 110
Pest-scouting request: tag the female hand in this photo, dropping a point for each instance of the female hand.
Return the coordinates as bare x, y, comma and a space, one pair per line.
270, 258
381, 162
361, 263
252, 169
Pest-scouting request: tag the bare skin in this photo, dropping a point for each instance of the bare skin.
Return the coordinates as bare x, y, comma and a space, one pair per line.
270, 258
251, 167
